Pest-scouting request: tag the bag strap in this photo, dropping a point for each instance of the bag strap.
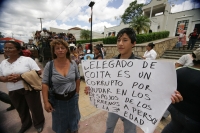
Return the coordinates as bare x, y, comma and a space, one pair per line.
50, 74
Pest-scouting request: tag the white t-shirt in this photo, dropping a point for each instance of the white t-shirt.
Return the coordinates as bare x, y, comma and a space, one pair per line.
150, 55
21, 65
186, 60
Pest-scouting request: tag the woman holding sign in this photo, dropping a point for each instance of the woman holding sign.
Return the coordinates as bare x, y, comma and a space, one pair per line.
185, 116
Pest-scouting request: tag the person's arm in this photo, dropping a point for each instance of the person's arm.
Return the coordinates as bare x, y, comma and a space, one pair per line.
189, 35
10, 78
45, 89
181, 61
77, 78
176, 97
77, 86
3, 79
178, 65
87, 90
144, 56
39, 72
47, 105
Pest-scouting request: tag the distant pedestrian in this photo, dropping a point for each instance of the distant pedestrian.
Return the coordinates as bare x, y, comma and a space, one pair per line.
150, 54
182, 39
103, 51
97, 52
192, 39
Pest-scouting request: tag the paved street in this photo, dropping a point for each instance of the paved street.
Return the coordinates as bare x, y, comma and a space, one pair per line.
92, 120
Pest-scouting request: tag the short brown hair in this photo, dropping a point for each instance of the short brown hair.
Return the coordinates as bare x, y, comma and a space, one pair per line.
59, 42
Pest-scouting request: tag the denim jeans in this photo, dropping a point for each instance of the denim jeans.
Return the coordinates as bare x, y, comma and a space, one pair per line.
191, 43
66, 114
112, 120
180, 123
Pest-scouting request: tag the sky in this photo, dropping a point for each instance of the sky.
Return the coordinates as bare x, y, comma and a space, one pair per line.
19, 18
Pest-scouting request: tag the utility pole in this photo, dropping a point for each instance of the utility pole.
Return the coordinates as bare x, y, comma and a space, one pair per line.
40, 22
91, 5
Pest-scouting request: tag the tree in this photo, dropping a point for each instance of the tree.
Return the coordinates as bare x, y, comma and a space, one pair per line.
85, 34
132, 11
1, 36
140, 23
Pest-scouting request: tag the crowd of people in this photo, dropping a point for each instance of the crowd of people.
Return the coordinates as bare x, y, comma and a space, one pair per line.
48, 36
182, 41
61, 86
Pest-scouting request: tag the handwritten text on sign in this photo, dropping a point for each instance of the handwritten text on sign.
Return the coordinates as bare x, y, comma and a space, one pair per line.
138, 90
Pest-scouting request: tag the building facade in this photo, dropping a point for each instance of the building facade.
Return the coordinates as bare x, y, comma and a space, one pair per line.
76, 31
159, 12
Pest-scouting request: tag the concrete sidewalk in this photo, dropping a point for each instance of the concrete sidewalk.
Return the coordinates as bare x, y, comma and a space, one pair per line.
92, 120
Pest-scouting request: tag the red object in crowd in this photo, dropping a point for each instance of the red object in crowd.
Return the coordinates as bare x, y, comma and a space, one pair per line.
26, 53
11, 39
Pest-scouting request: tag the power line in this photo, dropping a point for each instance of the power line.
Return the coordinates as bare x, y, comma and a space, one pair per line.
63, 10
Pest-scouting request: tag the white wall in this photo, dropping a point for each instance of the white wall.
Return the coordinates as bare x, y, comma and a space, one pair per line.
115, 29
76, 33
191, 15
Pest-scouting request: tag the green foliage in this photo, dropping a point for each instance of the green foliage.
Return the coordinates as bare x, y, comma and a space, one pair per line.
141, 38
132, 11
140, 23
85, 34
1, 35
110, 40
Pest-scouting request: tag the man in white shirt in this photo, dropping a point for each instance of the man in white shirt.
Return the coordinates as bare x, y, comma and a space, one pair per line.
185, 60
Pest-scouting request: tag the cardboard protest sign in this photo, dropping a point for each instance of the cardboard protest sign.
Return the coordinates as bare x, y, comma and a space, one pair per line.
138, 90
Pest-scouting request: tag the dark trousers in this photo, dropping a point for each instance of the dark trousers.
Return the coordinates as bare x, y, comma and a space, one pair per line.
191, 43
180, 123
5, 98
24, 101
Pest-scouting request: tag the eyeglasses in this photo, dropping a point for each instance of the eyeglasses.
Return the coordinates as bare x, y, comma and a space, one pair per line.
12, 48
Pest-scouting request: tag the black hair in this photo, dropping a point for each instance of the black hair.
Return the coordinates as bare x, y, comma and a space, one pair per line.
130, 32
16, 45
72, 48
80, 46
98, 48
101, 45
151, 45
23, 48
195, 62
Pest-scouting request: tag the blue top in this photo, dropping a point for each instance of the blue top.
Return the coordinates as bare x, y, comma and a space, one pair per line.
60, 83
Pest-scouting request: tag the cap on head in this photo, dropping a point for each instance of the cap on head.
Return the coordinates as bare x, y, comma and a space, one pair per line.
44, 29
197, 54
